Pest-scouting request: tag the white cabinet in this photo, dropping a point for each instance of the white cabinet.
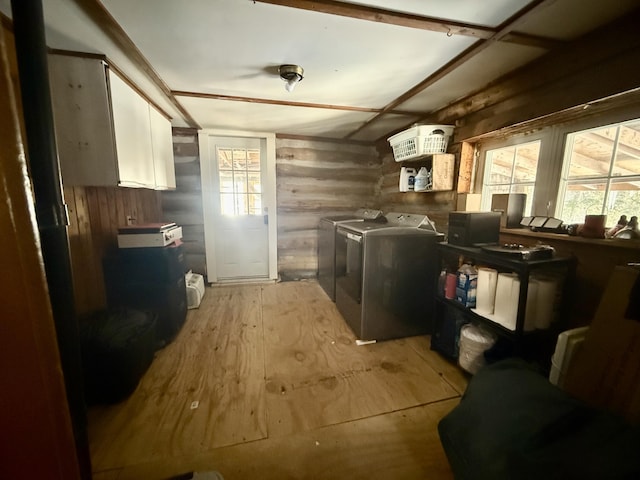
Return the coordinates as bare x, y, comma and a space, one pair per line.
162, 147
107, 133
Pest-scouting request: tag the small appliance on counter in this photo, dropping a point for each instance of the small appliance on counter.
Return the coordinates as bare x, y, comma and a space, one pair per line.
148, 235
470, 229
511, 207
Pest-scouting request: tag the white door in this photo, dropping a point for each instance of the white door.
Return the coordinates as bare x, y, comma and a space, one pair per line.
239, 203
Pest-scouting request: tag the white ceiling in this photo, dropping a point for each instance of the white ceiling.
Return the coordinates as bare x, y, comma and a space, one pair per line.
218, 59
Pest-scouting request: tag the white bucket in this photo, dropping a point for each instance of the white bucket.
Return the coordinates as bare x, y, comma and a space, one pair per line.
474, 341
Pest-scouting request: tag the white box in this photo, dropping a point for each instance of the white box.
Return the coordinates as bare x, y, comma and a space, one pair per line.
155, 239
567, 345
195, 289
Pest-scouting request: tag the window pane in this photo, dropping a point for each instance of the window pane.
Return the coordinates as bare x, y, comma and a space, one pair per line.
591, 152
487, 194
627, 160
241, 204
511, 170
526, 164
226, 182
239, 159
582, 199
227, 204
253, 160
500, 163
255, 204
240, 182
528, 189
624, 198
224, 158
254, 182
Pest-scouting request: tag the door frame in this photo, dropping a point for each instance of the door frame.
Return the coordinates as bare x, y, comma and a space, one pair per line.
207, 174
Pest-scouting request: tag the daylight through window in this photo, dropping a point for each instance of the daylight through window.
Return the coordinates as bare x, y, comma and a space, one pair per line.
601, 173
240, 185
511, 170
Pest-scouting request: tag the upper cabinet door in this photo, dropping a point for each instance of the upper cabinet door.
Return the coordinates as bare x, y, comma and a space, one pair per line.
84, 132
162, 144
132, 128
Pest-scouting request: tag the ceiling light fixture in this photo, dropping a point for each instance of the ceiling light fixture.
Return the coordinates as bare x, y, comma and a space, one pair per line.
291, 74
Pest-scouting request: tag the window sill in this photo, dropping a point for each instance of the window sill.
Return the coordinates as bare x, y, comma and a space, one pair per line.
541, 236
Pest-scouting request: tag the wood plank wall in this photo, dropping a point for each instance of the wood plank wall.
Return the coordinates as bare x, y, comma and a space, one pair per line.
95, 213
184, 204
317, 179
314, 179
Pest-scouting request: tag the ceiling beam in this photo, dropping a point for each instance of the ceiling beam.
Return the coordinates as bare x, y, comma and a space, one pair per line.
503, 30
104, 21
266, 101
379, 15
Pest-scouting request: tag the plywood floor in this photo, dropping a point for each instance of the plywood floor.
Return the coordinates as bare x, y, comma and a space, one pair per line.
283, 392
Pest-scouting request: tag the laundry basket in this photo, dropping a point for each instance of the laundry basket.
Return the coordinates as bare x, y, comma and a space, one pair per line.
419, 141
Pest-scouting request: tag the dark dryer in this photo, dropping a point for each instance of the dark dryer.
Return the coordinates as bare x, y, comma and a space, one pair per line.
386, 276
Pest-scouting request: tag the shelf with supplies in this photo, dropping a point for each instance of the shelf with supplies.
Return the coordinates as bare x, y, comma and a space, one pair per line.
524, 303
438, 174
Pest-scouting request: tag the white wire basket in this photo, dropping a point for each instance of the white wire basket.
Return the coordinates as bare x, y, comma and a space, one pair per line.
420, 141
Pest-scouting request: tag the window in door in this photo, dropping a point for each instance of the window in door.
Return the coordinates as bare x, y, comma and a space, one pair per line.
511, 169
601, 173
240, 182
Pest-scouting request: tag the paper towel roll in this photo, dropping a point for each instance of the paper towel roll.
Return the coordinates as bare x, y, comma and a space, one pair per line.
486, 290
545, 301
530, 317
506, 305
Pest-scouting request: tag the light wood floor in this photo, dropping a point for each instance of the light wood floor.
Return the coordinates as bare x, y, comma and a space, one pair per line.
283, 392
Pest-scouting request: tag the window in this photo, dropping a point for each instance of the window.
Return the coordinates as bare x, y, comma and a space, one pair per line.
240, 185
511, 169
601, 173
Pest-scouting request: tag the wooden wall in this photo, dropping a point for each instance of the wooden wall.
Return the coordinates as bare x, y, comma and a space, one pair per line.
95, 213
596, 260
553, 88
316, 179
184, 204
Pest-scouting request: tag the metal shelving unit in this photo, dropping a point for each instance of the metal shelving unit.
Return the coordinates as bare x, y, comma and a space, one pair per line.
520, 340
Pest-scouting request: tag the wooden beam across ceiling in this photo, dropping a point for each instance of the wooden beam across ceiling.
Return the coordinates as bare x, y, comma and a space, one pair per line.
502, 32
266, 101
379, 15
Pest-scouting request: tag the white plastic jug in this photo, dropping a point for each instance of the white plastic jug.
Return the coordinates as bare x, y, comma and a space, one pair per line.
422, 180
407, 179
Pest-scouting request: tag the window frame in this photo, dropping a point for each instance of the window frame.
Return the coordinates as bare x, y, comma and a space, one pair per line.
484, 146
553, 139
607, 179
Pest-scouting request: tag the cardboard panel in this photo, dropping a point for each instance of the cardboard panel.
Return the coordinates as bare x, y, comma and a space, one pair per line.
606, 371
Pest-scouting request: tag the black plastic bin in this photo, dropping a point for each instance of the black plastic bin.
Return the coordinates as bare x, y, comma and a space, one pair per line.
117, 347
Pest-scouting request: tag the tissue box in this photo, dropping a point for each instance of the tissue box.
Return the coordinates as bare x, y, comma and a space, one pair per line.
466, 288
